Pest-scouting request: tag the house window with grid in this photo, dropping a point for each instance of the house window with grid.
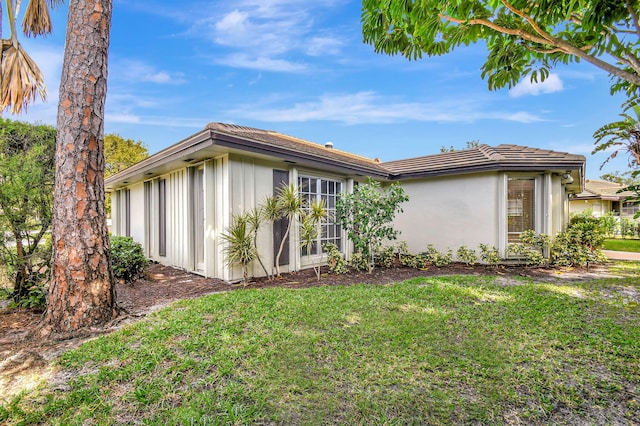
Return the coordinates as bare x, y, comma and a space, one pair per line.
521, 206
629, 208
312, 189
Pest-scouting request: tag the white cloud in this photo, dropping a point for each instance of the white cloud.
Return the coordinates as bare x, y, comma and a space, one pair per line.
526, 87
134, 71
319, 46
368, 107
260, 63
274, 31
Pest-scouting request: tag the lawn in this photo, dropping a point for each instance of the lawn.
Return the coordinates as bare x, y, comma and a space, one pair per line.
618, 244
439, 350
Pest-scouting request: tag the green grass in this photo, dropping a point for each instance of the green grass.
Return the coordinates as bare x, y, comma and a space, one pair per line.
446, 350
618, 244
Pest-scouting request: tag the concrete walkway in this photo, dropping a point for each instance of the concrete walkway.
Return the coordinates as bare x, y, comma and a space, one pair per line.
621, 255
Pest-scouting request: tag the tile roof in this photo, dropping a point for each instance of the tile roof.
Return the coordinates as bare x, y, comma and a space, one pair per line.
602, 189
268, 140
222, 136
484, 157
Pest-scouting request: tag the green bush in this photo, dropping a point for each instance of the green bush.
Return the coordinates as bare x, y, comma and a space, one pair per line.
335, 261
467, 255
359, 262
579, 245
417, 261
531, 248
127, 258
532, 255
385, 256
489, 254
437, 258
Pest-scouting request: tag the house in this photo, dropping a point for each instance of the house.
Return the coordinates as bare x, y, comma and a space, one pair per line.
601, 197
177, 202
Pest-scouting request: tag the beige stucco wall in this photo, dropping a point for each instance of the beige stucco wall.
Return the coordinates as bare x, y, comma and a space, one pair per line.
598, 207
450, 212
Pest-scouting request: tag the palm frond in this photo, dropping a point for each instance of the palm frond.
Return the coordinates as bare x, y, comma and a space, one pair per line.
37, 20
21, 79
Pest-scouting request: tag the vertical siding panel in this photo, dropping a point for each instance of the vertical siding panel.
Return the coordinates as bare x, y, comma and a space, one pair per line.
115, 213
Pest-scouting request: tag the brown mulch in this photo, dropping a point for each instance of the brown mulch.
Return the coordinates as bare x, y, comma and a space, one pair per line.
24, 352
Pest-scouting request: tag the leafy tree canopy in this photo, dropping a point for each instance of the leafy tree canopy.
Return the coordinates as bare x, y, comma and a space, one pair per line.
26, 197
120, 153
625, 178
523, 37
622, 135
469, 144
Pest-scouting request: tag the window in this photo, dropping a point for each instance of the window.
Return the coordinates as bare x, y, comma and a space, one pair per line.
629, 208
162, 218
313, 189
520, 207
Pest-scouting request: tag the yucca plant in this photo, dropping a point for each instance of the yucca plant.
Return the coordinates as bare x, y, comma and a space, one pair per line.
288, 204
309, 228
20, 77
255, 217
239, 248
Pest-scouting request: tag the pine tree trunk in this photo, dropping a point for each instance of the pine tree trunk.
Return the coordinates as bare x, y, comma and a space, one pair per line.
82, 291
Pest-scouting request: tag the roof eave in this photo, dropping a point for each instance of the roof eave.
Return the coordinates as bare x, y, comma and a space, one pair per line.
496, 166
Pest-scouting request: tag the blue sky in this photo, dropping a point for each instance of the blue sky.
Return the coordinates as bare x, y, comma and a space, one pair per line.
300, 68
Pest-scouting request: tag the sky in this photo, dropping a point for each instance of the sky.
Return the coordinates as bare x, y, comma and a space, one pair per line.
300, 67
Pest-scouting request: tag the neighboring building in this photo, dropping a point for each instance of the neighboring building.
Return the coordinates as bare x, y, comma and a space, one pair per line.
602, 197
177, 202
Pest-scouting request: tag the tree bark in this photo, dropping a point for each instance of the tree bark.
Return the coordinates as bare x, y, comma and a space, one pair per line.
82, 291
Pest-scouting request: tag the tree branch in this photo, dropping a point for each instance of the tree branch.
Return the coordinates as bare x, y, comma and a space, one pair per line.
634, 16
552, 41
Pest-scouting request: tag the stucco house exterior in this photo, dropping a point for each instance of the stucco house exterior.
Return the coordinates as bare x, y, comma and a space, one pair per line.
177, 202
602, 197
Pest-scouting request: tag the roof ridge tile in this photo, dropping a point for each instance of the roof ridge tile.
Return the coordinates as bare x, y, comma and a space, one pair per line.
490, 153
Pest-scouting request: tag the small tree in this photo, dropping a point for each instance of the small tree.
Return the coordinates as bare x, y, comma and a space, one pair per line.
240, 249
287, 204
255, 218
26, 200
309, 224
367, 215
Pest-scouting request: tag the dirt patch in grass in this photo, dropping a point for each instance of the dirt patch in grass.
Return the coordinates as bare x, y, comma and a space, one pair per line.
25, 356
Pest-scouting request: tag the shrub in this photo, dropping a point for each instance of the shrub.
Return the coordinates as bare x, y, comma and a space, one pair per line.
335, 261
417, 261
359, 262
580, 244
402, 248
531, 248
489, 254
36, 297
437, 258
531, 255
385, 256
367, 215
127, 258
467, 255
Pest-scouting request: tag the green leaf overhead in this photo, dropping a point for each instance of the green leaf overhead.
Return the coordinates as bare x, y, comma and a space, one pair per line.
523, 38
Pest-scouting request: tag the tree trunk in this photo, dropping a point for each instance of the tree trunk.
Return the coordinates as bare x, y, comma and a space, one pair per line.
82, 291
19, 287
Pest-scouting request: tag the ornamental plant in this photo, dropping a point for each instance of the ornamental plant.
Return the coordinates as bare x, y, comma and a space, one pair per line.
367, 215
127, 258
